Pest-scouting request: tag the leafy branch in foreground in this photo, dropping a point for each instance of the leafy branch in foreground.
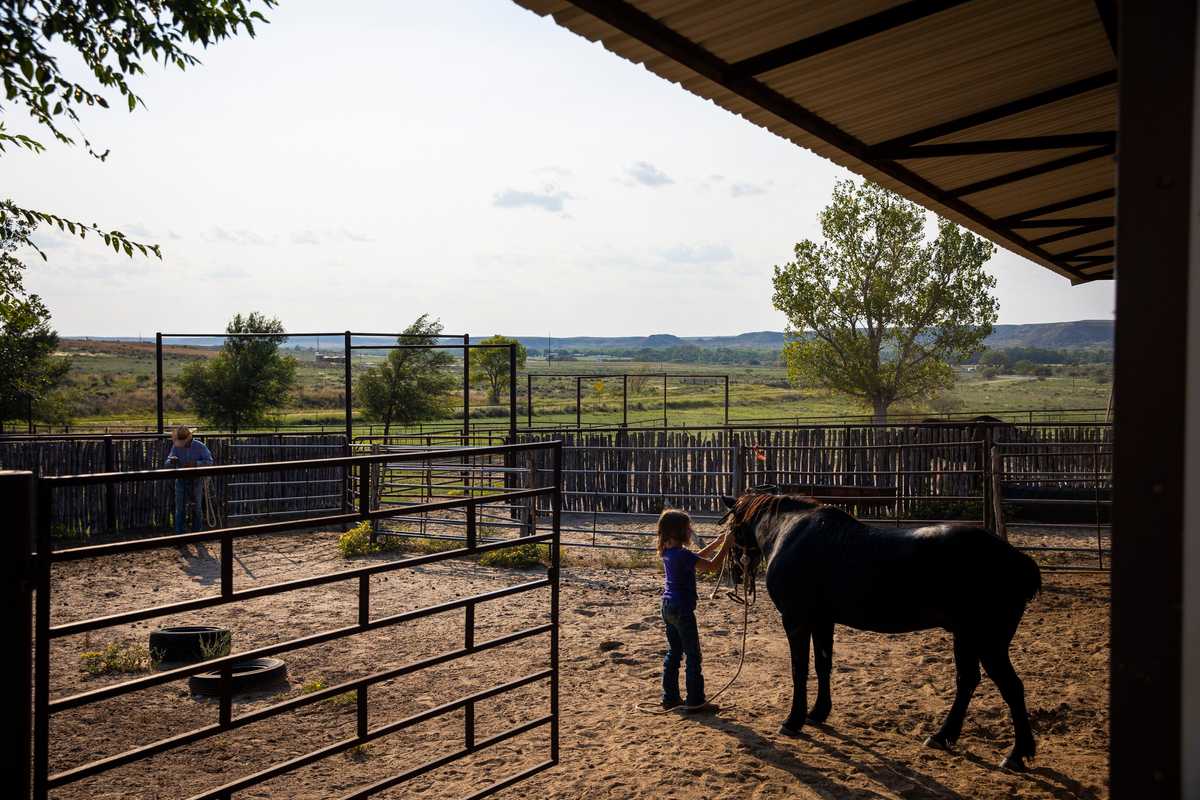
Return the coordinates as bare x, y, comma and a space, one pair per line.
115, 39
118, 241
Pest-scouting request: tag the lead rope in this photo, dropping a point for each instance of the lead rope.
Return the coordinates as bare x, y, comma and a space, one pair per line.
748, 589
210, 510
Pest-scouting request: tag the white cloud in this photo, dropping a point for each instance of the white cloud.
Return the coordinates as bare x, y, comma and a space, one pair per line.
550, 199
305, 237
236, 236
742, 189
647, 174
699, 254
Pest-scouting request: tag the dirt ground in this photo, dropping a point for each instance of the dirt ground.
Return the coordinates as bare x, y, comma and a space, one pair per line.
889, 692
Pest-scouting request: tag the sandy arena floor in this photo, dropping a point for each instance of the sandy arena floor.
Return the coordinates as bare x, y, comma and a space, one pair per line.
889, 692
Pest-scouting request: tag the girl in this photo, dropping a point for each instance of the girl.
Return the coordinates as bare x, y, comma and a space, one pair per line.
679, 606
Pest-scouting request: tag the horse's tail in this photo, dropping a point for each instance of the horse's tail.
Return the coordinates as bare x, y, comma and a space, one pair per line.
1028, 575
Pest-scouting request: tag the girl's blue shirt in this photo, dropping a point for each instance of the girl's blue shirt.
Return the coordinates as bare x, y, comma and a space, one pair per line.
679, 567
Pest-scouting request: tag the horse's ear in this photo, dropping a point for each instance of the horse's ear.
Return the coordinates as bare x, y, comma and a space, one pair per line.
728, 501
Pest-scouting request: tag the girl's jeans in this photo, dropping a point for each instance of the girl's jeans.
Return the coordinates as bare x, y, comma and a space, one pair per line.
682, 640
182, 490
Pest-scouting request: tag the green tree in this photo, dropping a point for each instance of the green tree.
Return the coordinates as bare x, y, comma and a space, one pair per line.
411, 384
996, 359
489, 366
30, 373
114, 39
876, 312
248, 378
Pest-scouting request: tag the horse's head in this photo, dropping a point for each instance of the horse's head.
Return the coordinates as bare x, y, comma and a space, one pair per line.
742, 515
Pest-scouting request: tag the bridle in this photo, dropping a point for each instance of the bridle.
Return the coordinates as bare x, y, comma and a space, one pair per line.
743, 552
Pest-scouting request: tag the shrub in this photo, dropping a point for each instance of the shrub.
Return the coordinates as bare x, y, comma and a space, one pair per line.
357, 542
518, 556
117, 658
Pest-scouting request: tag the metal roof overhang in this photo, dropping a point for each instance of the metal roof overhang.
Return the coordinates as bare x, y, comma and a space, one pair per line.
998, 114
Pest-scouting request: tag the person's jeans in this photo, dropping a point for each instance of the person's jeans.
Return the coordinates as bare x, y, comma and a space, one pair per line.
682, 640
182, 490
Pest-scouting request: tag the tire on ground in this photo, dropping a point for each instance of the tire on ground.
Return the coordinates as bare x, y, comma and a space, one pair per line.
184, 643
253, 673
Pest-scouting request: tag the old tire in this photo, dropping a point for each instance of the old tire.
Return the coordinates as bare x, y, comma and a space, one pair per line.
184, 643
253, 673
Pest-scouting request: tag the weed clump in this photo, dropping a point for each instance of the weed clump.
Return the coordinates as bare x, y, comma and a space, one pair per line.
517, 557
117, 658
317, 684
357, 542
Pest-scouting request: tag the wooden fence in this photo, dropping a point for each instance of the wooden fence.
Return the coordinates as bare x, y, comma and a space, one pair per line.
83, 511
924, 471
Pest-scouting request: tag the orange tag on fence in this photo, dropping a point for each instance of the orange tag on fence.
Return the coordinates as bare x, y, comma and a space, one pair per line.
760, 454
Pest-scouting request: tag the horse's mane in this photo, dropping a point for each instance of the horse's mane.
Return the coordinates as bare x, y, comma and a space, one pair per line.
748, 507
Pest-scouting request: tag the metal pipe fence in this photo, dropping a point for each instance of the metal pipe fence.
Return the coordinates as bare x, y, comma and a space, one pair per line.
36, 568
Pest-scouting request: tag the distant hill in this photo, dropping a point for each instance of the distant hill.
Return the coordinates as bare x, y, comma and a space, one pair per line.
1083, 334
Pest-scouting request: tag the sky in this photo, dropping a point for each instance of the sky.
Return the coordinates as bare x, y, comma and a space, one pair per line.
359, 164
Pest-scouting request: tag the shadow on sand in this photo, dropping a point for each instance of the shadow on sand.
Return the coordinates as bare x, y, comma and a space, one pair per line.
204, 565
897, 777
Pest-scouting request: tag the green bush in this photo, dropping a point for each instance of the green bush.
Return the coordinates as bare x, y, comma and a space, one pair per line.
357, 542
518, 556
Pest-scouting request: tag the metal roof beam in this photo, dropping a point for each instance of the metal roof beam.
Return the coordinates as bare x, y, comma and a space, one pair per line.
1107, 9
842, 35
987, 146
639, 25
1063, 222
1005, 110
1035, 170
1071, 234
1061, 205
1078, 251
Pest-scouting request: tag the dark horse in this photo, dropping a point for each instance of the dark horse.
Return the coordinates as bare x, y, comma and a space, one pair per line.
826, 568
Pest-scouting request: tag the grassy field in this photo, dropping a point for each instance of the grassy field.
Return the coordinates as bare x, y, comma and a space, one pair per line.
112, 384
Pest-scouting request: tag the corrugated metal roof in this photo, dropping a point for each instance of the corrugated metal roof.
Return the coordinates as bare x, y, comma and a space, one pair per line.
848, 78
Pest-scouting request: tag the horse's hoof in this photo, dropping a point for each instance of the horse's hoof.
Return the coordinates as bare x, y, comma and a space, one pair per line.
938, 743
1014, 763
818, 714
791, 733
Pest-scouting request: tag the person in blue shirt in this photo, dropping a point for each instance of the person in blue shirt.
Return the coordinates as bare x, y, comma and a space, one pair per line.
679, 606
185, 453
